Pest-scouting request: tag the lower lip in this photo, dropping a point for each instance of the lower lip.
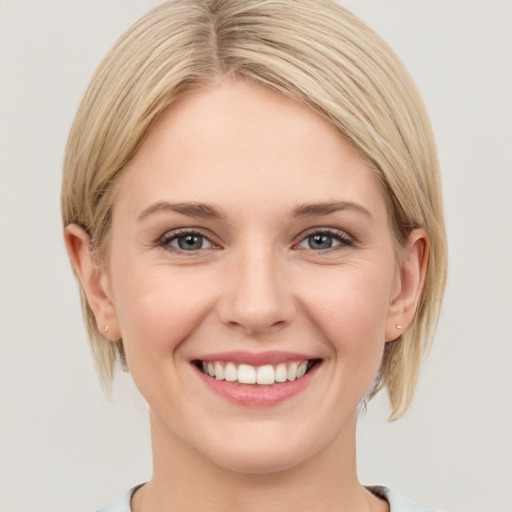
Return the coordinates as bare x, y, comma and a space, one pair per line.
253, 395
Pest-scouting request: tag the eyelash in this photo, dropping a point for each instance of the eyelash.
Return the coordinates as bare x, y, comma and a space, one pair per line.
342, 237
165, 240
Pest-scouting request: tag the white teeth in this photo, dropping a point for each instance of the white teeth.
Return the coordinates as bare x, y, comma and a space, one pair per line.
219, 371
281, 373
246, 374
292, 371
263, 375
230, 372
301, 370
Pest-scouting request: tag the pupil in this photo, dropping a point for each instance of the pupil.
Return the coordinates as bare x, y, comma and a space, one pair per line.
320, 242
189, 242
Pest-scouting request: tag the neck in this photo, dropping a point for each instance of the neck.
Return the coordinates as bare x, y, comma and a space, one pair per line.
184, 480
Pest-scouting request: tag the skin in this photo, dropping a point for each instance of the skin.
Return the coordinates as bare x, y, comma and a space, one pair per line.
256, 284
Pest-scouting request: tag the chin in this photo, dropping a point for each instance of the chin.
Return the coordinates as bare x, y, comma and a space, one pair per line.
266, 451
259, 461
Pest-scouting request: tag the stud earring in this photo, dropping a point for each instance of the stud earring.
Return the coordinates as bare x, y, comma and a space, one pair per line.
107, 328
398, 326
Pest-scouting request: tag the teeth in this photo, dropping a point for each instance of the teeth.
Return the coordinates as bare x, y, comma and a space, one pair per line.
263, 375
246, 374
281, 373
301, 370
292, 371
219, 371
230, 372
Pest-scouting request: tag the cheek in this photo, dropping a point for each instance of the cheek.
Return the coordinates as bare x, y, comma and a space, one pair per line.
157, 309
351, 310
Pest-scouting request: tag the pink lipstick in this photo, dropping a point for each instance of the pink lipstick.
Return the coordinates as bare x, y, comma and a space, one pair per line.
256, 379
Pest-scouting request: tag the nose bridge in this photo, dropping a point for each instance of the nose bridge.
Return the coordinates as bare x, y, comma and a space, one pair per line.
256, 297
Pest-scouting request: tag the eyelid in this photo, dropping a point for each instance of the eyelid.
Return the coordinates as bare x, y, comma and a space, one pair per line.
172, 234
345, 238
164, 240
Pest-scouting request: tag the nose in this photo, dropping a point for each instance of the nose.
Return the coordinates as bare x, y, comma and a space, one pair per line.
256, 296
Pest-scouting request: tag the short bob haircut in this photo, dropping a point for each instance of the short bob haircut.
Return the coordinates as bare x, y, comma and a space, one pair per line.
314, 52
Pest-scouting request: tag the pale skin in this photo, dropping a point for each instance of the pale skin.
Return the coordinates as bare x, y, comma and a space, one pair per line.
293, 252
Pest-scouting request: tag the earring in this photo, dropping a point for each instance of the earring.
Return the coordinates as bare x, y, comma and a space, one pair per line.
398, 326
107, 328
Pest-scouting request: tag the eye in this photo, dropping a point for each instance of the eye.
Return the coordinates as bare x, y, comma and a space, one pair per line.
185, 241
325, 239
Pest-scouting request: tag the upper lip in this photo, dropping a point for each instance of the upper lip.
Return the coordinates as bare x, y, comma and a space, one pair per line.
254, 359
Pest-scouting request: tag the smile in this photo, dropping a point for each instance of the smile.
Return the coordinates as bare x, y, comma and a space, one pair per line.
256, 379
265, 375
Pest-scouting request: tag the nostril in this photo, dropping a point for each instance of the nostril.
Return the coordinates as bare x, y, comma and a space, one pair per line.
279, 324
264, 328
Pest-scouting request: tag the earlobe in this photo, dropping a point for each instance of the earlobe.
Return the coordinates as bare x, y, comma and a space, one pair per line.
411, 277
93, 279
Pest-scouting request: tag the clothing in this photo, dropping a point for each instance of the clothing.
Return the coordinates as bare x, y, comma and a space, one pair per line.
396, 502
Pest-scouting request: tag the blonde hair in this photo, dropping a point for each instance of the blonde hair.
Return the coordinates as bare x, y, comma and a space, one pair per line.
313, 51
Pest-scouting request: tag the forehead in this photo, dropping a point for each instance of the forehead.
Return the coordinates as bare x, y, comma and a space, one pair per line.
237, 140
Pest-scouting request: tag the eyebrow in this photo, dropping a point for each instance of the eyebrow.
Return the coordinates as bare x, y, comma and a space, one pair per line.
312, 209
201, 210
207, 211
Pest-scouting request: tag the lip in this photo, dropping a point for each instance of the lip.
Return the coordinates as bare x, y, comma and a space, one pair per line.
255, 359
253, 395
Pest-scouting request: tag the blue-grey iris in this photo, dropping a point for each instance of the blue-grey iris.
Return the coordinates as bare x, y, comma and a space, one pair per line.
320, 241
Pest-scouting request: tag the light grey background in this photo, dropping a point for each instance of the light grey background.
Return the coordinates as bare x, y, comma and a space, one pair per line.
65, 448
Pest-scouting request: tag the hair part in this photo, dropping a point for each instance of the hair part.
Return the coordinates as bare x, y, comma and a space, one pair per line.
315, 52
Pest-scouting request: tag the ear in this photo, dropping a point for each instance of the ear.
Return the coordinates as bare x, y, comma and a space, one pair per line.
410, 279
94, 280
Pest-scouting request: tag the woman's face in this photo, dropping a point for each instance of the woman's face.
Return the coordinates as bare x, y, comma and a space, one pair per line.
251, 242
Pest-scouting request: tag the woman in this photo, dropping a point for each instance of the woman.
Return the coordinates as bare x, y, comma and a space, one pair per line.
252, 206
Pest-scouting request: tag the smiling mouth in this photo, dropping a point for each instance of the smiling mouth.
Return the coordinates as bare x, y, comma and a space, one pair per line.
264, 375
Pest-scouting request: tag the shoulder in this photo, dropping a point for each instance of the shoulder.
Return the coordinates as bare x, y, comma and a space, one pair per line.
397, 503
121, 504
